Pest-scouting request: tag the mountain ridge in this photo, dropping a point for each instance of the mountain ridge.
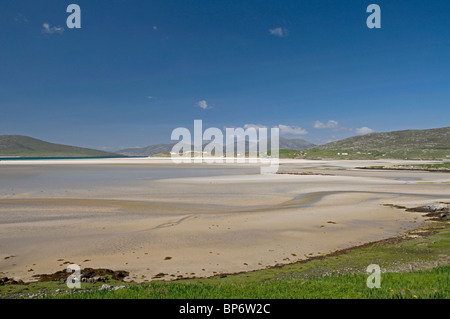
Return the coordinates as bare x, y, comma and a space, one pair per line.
25, 146
404, 144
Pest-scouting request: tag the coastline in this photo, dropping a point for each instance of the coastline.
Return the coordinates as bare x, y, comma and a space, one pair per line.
204, 226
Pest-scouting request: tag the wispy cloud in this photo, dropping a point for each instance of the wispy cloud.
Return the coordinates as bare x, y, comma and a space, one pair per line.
332, 124
203, 104
48, 29
279, 32
363, 130
149, 97
329, 124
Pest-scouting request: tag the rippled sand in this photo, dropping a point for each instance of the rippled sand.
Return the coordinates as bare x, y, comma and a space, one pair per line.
152, 217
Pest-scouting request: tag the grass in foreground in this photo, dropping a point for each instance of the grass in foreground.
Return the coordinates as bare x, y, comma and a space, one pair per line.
420, 284
414, 266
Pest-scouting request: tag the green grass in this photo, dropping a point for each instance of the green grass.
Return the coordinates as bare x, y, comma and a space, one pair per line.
285, 153
433, 283
315, 153
338, 276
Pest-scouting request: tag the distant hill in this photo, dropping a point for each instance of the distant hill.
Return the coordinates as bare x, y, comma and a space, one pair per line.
291, 144
294, 143
24, 146
408, 144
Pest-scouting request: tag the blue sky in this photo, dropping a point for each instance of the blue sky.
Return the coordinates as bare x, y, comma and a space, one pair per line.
138, 69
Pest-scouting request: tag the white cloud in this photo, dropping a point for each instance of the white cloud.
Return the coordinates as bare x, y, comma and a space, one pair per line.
46, 28
291, 130
278, 32
203, 104
155, 28
363, 130
149, 97
329, 124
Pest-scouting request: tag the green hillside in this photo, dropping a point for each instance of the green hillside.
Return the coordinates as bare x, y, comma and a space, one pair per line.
24, 146
408, 144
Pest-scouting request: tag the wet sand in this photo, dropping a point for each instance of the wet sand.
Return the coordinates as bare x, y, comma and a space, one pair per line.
194, 220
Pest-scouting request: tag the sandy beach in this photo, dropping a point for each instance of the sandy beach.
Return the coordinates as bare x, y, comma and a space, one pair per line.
156, 219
